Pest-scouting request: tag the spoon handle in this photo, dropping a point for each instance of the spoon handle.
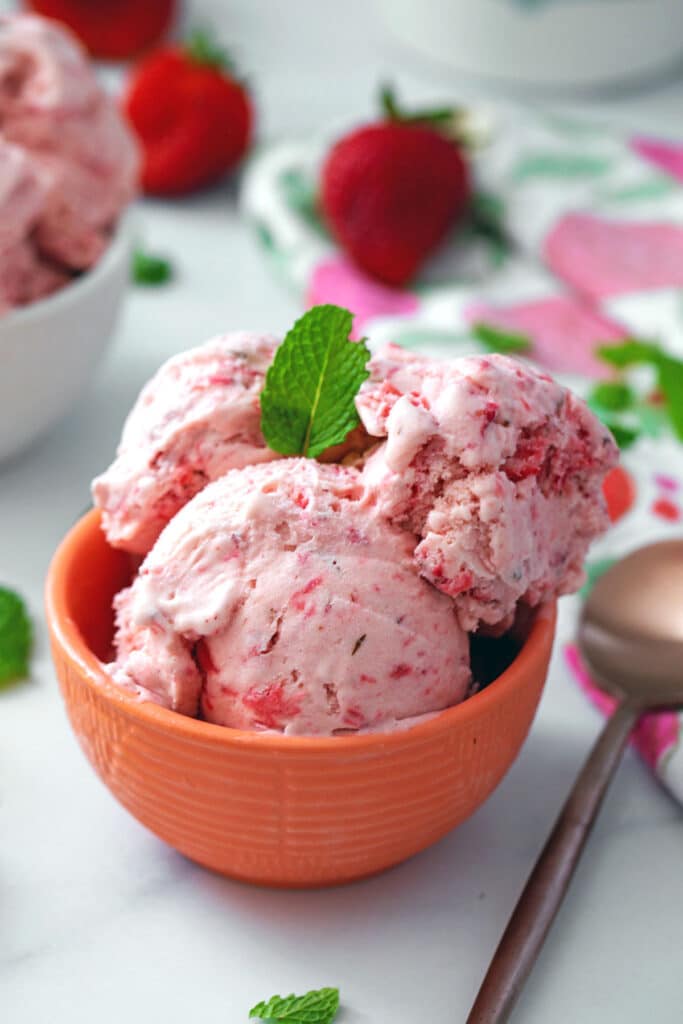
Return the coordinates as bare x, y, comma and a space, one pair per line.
550, 878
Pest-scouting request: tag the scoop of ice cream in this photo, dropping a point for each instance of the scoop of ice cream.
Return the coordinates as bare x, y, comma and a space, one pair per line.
495, 467
276, 599
24, 276
76, 142
197, 418
22, 195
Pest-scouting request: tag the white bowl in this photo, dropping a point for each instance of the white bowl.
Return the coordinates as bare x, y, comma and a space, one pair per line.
561, 43
49, 350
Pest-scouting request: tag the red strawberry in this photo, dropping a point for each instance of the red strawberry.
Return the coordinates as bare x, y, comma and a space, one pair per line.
391, 191
193, 118
113, 29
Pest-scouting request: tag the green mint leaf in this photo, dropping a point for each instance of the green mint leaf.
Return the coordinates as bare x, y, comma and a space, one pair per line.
495, 340
613, 395
630, 352
15, 637
317, 1007
307, 403
150, 270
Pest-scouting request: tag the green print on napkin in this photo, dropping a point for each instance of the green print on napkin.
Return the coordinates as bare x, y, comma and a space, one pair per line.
560, 165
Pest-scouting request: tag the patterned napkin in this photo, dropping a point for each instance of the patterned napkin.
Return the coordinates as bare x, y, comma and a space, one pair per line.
578, 241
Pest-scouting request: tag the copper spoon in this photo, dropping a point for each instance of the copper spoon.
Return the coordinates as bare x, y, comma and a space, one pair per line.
631, 636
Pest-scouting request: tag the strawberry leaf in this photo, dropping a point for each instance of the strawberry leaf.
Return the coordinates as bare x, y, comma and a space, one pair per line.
307, 404
394, 112
202, 49
317, 1007
15, 637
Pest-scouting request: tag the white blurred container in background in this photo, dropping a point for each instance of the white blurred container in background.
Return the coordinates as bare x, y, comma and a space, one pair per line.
561, 43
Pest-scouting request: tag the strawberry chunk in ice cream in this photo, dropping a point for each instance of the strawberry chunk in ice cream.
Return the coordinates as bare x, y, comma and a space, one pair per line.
76, 145
197, 418
495, 467
277, 599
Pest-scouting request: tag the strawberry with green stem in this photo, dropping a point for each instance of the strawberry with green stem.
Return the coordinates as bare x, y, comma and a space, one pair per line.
193, 117
391, 191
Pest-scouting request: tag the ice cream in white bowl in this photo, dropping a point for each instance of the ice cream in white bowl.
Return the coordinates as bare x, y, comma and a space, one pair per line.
49, 350
68, 170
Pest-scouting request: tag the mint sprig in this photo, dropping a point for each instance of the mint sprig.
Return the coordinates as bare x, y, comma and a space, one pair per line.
317, 1007
15, 637
669, 372
307, 403
496, 340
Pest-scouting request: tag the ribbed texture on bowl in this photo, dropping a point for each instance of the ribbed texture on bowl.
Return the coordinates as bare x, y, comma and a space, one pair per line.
288, 811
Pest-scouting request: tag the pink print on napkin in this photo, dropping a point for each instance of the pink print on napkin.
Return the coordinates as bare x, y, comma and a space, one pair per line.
655, 733
337, 281
601, 258
666, 155
564, 331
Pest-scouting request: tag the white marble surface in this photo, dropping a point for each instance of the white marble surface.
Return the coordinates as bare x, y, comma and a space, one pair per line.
99, 922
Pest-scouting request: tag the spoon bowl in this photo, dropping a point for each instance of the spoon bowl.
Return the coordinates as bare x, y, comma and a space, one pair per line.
631, 630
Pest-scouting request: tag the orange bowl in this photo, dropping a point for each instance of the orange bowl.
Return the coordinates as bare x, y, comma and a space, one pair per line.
277, 810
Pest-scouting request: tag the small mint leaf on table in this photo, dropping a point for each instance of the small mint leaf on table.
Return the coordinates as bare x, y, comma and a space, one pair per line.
15, 637
307, 403
496, 340
316, 1007
148, 269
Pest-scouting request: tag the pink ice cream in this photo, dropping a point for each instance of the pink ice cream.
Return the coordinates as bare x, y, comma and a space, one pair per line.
197, 418
496, 469
278, 599
80, 161
24, 274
